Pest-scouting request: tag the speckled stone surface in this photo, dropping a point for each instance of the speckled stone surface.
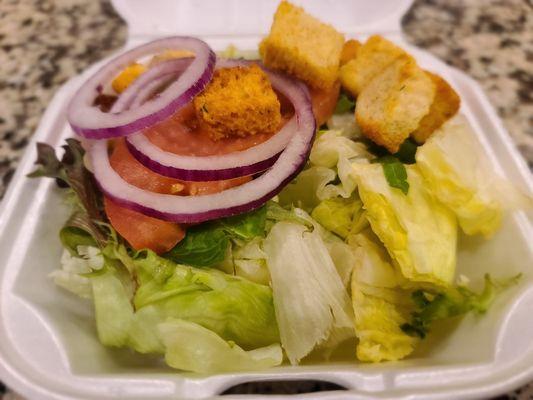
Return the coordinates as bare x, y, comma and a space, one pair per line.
45, 42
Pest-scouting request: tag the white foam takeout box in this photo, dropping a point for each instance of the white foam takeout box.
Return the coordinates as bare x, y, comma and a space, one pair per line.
48, 344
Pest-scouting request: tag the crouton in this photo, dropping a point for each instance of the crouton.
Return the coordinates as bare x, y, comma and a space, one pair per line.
238, 101
392, 105
376, 54
445, 105
349, 50
127, 76
302, 46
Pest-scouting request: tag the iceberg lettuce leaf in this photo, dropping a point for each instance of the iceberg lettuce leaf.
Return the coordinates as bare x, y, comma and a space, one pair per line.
113, 309
461, 177
419, 233
235, 308
191, 347
339, 215
381, 306
310, 299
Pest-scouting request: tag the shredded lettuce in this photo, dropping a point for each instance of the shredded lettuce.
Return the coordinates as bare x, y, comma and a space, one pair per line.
310, 299
419, 233
461, 177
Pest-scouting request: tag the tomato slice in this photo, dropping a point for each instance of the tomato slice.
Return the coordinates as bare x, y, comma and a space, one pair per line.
324, 102
182, 134
142, 231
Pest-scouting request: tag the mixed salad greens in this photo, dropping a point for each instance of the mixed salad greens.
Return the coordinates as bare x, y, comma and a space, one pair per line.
342, 252
222, 261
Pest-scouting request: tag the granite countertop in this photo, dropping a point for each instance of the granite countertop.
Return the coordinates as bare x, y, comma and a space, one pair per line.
45, 42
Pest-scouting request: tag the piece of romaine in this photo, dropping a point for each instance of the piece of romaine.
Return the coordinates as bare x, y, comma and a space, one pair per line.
419, 233
460, 176
310, 299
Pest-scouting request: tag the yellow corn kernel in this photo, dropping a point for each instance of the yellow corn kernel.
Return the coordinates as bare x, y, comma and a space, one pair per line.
127, 76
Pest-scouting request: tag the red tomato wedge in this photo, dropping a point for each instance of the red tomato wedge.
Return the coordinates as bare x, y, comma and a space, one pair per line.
138, 229
324, 102
141, 231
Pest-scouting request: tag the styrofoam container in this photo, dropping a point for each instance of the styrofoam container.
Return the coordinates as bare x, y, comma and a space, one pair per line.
48, 343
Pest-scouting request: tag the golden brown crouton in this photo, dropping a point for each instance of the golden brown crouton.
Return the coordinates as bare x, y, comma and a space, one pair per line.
392, 105
376, 54
349, 50
238, 101
302, 46
445, 105
127, 76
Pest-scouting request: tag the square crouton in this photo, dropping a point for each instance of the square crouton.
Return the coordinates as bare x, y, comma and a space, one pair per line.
376, 54
238, 101
392, 105
445, 105
302, 46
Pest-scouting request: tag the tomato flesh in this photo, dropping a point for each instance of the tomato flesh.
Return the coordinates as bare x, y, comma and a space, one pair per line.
142, 231
324, 102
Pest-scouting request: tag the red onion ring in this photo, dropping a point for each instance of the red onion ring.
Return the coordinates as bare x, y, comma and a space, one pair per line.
143, 87
240, 199
211, 168
90, 122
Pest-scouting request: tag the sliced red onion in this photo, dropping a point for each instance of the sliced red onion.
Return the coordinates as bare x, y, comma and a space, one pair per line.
141, 88
90, 122
211, 168
194, 209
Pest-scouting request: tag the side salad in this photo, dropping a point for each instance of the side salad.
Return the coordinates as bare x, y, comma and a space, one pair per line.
230, 213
